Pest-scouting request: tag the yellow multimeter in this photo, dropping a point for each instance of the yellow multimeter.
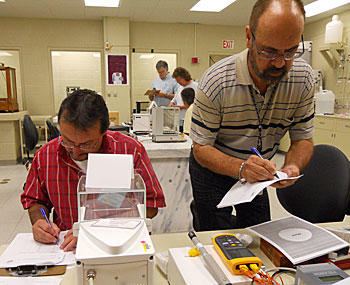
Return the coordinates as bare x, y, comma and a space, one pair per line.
235, 254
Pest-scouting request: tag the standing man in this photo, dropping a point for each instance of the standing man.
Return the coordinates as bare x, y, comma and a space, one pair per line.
165, 83
182, 77
252, 99
57, 166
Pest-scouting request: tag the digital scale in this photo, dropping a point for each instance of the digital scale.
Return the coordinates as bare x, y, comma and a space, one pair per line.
319, 274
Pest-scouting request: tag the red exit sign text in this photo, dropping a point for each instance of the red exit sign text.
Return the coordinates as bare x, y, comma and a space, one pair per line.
227, 44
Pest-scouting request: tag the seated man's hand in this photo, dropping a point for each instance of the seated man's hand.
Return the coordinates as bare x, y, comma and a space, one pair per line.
70, 242
292, 171
43, 233
256, 169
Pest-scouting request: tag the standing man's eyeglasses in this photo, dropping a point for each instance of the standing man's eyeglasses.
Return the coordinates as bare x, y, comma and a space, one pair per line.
290, 55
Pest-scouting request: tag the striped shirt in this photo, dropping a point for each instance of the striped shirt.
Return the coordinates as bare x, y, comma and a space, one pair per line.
53, 177
224, 114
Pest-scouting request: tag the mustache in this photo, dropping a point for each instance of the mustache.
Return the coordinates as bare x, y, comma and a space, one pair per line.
283, 70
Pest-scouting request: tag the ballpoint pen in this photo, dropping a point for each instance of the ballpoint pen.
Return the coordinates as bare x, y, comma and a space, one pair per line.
212, 266
258, 154
48, 221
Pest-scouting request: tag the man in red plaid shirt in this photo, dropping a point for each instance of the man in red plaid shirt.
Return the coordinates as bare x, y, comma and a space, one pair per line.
58, 165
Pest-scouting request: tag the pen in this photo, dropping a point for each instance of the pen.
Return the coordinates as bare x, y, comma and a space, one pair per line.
258, 154
48, 221
213, 267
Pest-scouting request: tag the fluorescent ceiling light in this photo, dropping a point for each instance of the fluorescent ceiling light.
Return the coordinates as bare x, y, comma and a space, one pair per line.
147, 56
211, 5
55, 53
96, 54
4, 53
321, 6
102, 3
2, 0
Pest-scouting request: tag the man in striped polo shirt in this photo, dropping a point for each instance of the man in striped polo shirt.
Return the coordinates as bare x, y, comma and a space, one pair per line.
58, 165
252, 99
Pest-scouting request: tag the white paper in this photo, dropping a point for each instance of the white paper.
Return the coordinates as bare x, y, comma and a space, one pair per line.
243, 193
297, 239
117, 223
109, 172
30, 280
24, 250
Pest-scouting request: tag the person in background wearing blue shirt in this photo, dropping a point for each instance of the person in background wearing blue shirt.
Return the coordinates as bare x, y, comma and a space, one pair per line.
165, 83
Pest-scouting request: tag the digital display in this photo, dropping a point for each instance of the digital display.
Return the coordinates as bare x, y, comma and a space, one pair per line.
331, 278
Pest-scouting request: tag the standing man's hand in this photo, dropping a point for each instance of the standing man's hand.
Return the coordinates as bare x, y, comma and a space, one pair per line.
256, 169
292, 171
42, 232
70, 242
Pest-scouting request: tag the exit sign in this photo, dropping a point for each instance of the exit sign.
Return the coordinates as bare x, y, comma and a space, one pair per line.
227, 44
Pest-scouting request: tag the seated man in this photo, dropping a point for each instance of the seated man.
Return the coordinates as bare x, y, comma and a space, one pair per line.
58, 165
187, 96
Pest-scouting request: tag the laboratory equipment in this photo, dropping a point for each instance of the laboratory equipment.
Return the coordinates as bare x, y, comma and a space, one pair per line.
141, 123
319, 274
8, 89
235, 254
165, 124
114, 246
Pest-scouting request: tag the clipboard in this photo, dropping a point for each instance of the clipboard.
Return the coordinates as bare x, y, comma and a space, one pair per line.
49, 270
151, 92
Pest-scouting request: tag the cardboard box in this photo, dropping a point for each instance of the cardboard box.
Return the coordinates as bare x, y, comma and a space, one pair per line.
114, 118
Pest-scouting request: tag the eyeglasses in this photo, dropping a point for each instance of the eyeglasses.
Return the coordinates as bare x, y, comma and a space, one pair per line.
83, 146
274, 55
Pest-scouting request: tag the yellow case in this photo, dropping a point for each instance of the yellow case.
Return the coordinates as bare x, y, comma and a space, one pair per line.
233, 264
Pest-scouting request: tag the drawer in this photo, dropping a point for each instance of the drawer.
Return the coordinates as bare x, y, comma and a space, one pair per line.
343, 125
324, 123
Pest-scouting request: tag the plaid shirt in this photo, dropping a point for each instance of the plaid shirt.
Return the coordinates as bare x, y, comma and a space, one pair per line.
53, 177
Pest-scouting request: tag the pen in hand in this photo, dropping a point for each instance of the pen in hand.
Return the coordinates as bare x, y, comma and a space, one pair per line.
258, 154
48, 221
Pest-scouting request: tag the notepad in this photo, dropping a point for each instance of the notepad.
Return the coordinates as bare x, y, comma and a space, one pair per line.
243, 193
24, 250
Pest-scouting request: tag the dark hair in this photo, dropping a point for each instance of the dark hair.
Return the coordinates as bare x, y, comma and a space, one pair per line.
161, 64
183, 73
187, 95
261, 6
83, 108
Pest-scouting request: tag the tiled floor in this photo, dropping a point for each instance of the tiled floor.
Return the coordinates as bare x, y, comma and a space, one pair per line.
13, 219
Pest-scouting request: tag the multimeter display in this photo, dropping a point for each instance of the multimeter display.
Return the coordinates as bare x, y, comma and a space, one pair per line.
232, 247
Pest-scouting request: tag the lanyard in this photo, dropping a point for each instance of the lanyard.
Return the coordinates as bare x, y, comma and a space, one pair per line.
261, 120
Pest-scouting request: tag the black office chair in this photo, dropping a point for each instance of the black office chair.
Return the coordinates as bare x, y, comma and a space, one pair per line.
53, 130
31, 136
322, 194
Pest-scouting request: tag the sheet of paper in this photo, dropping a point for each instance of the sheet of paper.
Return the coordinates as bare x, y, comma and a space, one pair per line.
24, 250
242, 193
297, 239
30, 280
345, 281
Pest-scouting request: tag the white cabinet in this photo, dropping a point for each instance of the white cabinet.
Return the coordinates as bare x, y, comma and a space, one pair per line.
333, 131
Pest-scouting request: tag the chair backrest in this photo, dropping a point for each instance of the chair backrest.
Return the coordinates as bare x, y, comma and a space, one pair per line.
53, 130
31, 136
322, 194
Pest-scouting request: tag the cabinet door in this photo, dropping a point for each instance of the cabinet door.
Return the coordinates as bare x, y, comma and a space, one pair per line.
323, 136
342, 141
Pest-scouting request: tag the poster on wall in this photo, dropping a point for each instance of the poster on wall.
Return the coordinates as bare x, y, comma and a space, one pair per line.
117, 70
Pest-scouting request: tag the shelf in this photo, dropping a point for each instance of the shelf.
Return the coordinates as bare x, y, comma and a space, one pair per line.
333, 53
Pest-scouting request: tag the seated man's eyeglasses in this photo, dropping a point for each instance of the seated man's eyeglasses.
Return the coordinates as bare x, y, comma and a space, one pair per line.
290, 55
83, 146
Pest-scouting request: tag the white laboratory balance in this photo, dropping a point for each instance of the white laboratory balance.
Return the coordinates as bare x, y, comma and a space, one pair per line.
165, 124
114, 246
